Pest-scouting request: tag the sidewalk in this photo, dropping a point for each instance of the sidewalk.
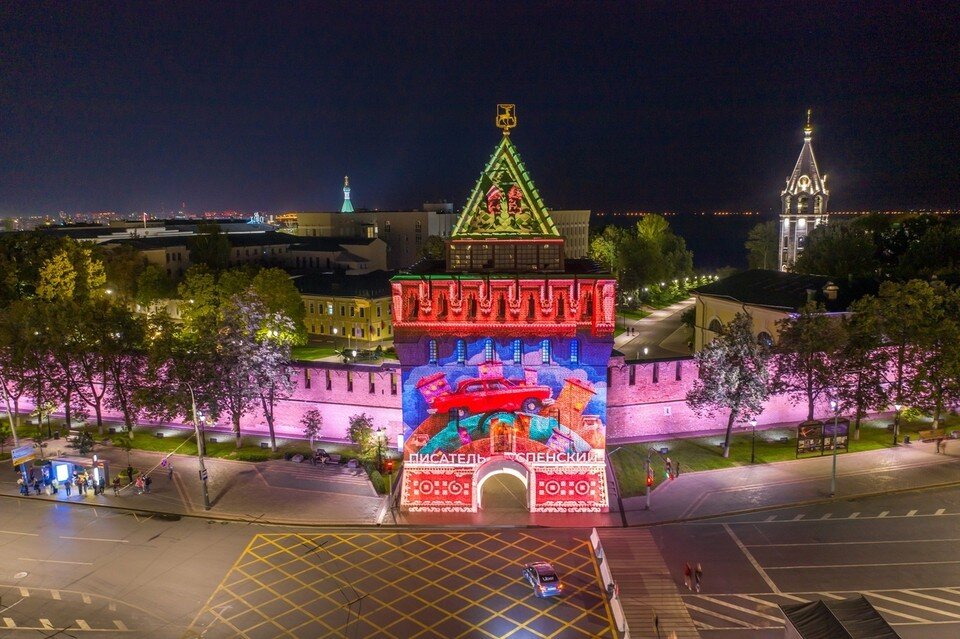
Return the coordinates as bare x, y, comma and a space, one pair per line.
301, 494
275, 491
779, 484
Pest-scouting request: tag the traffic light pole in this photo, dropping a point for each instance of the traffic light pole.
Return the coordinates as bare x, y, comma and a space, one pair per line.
647, 466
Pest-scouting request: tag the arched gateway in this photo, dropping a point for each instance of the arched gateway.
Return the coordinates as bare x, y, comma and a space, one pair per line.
504, 348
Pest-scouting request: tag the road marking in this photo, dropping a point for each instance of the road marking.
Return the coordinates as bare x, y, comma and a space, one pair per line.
742, 609
853, 515
911, 513
831, 595
55, 594
721, 616
85, 597
940, 511
120, 625
827, 516
9, 623
918, 606
853, 543
798, 517
115, 541
14, 532
770, 518
751, 559
54, 561
112, 606
902, 614
905, 563
24, 592
914, 593
46, 624
883, 514
83, 624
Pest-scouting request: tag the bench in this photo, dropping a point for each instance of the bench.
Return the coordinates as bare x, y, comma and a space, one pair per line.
930, 435
332, 459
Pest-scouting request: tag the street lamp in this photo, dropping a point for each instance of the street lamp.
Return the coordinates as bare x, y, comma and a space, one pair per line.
203, 470
753, 441
381, 435
896, 423
835, 407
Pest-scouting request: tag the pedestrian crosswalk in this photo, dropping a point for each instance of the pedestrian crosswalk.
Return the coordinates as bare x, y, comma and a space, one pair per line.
31, 609
757, 611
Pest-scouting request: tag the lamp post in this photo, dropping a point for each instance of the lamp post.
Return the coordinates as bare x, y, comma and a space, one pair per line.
835, 407
381, 435
753, 441
896, 423
203, 470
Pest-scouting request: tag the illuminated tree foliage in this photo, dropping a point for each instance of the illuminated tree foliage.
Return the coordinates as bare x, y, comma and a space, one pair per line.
648, 253
733, 376
805, 362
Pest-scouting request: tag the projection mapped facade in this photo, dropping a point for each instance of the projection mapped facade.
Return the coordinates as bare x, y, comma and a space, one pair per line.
504, 348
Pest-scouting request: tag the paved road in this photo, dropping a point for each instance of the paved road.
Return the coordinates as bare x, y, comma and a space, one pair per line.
900, 551
102, 573
654, 333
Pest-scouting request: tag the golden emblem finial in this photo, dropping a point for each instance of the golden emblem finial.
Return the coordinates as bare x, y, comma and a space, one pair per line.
506, 117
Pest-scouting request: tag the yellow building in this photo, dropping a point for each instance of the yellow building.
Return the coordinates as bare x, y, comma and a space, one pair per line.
355, 306
768, 296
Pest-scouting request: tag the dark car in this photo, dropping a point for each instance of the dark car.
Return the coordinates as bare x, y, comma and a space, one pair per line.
543, 578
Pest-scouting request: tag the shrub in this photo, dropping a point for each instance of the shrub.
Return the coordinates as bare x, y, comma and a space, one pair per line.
379, 482
253, 455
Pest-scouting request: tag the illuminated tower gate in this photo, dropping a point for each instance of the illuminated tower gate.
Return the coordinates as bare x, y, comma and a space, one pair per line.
504, 347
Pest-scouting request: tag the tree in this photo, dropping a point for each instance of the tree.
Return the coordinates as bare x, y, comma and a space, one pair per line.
900, 313
807, 352
276, 291
838, 249
123, 266
859, 386
237, 357
210, 247
763, 244
434, 248
152, 286
271, 368
361, 434
58, 278
16, 337
733, 375
934, 371
312, 422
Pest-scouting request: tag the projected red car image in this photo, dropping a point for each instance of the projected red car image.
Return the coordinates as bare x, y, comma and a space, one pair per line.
482, 395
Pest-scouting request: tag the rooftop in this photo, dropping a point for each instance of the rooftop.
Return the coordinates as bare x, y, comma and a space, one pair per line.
786, 291
426, 266
370, 285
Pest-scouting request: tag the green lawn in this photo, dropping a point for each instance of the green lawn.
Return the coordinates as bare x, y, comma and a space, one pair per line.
704, 453
312, 353
629, 314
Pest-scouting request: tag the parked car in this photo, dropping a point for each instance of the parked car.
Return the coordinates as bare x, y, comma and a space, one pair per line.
496, 393
543, 579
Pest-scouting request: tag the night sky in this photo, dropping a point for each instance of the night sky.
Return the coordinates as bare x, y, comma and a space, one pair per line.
623, 106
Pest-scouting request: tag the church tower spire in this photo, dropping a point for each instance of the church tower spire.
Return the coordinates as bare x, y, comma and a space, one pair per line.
347, 206
803, 201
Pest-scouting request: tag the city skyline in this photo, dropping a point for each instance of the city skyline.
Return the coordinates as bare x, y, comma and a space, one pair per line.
685, 108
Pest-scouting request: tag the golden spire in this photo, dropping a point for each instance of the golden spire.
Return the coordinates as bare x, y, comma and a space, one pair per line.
808, 129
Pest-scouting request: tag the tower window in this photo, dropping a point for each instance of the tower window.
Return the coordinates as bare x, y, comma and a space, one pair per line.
461, 351
545, 351
575, 351
517, 350
432, 351
488, 350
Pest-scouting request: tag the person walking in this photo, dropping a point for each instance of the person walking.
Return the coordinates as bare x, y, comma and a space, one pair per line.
102, 484
139, 484
146, 483
677, 473
668, 468
939, 443
36, 486
698, 575
67, 485
116, 486
130, 473
170, 471
24, 490
687, 575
